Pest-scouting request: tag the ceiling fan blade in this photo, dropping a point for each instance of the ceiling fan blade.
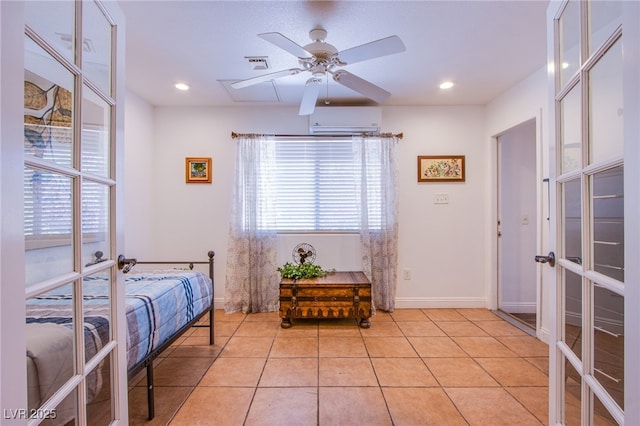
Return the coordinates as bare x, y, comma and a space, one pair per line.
375, 49
286, 44
310, 96
362, 86
266, 77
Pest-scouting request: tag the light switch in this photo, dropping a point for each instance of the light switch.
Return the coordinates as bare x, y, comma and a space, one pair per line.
441, 199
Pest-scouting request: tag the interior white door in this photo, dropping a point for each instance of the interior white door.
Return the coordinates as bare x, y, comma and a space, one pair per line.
590, 369
73, 120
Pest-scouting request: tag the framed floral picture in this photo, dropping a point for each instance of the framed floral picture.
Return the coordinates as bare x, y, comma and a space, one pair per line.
441, 168
198, 169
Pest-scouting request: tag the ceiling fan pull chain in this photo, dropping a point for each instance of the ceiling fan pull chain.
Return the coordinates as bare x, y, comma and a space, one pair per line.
326, 100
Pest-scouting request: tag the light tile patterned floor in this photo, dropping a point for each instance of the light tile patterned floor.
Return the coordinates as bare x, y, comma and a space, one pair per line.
412, 367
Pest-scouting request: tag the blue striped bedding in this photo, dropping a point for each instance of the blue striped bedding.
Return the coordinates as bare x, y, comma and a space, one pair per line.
158, 304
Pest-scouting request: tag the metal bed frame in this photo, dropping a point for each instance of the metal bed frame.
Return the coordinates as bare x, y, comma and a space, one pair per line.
125, 265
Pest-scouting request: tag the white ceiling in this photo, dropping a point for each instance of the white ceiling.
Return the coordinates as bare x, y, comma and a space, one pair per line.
485, 47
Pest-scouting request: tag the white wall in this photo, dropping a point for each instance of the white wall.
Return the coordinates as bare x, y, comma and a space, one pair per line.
441, 244
139, 175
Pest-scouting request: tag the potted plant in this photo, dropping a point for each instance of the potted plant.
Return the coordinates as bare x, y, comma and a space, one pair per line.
302, 271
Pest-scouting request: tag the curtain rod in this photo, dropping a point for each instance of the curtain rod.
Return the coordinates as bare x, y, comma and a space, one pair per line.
235, 135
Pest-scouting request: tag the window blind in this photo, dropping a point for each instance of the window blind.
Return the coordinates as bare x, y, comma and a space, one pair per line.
317, 186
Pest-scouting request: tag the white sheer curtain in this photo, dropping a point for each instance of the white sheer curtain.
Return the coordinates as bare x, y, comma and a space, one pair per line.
252, 279
379, 215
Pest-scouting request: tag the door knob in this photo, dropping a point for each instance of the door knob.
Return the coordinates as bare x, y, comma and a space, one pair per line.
550, 259
126, 264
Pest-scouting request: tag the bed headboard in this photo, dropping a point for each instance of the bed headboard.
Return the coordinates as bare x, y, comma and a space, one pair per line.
189, 263
126, 264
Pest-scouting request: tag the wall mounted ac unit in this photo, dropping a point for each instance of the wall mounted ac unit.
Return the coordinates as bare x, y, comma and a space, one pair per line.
345, 120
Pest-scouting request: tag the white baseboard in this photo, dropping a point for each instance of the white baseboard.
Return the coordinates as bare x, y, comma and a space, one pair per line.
543, 335
519, 307
417, 302
440, 302
430, 302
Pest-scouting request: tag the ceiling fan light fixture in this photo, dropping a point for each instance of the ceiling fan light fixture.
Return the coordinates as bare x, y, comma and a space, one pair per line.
446, 85
182, 86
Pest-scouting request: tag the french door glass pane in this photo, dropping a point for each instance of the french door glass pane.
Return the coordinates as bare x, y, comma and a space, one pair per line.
48, 106
66, 411
100, 394
96, 126
572, 221
572, 327
96, 306
569, 41
572, 395
95, 222
608, 222
50, 343
96, 55
608, 342
571, 136
601, 416
604, 18
48, 225
605, 106
53, 21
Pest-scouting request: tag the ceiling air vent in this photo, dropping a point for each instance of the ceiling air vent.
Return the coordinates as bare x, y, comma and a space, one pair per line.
258, 63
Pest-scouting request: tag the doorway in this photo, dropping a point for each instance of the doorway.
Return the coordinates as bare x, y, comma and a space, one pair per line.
517, 223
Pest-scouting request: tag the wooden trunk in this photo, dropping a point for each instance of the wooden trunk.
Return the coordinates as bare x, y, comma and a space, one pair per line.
338, 295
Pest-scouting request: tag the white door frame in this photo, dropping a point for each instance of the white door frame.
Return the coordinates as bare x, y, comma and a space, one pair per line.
542, 223
13, 387
631, 78
533, 220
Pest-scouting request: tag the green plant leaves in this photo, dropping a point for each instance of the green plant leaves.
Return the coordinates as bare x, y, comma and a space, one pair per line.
304, 270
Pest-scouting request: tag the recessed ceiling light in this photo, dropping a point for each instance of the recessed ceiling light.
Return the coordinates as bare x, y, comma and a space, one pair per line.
446, 85
182, 86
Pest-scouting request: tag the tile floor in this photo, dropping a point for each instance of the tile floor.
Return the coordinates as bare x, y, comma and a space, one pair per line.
412, 367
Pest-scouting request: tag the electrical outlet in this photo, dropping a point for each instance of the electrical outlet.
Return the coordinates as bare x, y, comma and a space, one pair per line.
441, 199
406, 274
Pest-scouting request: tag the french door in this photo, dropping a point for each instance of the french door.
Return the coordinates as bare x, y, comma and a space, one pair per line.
591, 372
73, 297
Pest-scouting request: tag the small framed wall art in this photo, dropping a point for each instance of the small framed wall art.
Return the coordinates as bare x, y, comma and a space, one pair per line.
441, 168
198, 169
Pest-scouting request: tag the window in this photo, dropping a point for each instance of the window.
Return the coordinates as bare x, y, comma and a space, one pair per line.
316, 186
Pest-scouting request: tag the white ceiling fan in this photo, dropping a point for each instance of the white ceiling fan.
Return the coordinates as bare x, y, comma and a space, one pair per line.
320, 58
